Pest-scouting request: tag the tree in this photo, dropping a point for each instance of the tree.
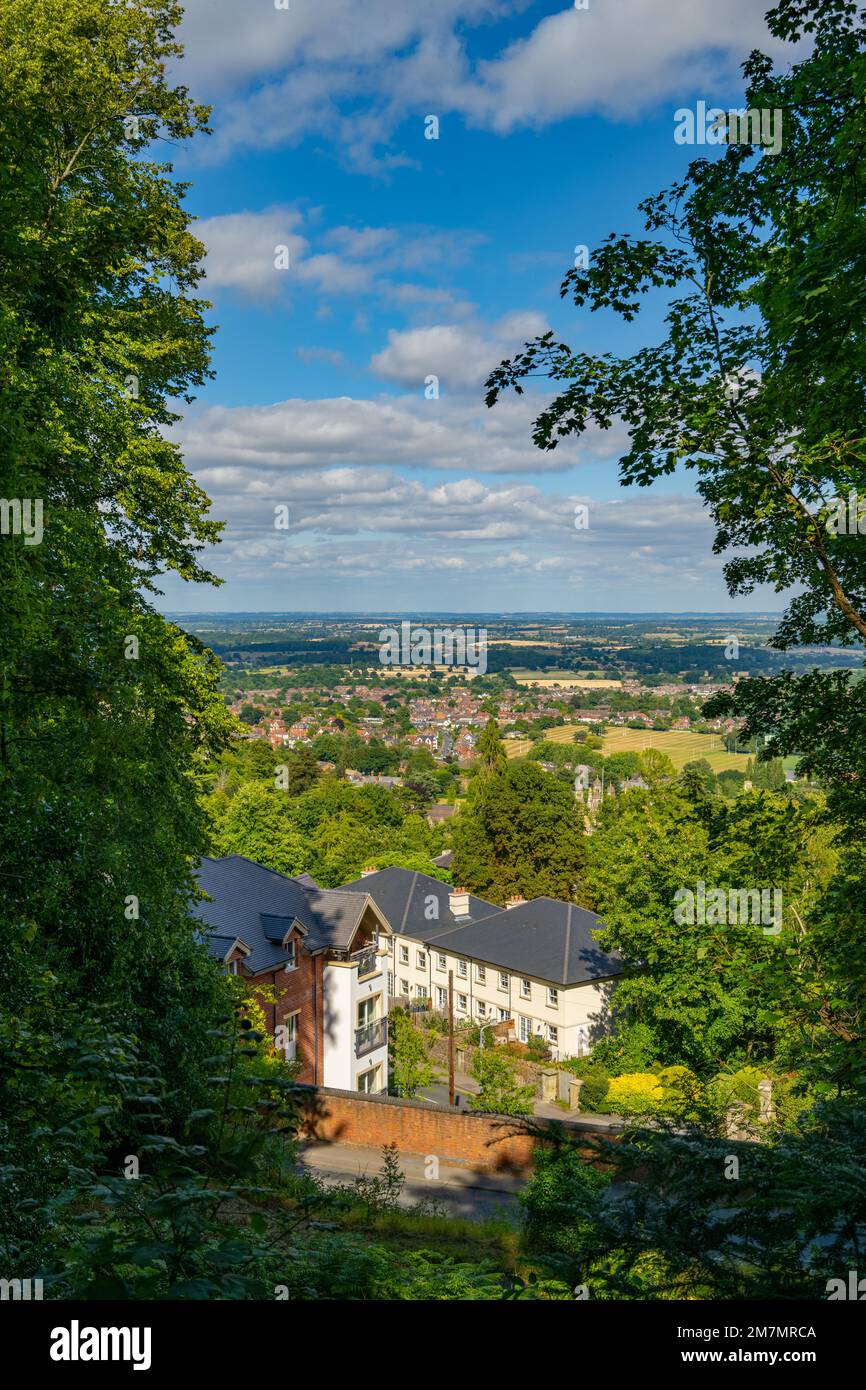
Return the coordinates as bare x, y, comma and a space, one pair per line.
521, 836
106, 709
259, 825
409, 1062
492, 756
501, 1092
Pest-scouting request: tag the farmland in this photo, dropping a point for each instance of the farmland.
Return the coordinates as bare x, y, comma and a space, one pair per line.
681, 747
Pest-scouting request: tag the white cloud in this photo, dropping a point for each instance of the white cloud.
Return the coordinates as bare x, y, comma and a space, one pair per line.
350, 71
460, 355
452, 433
242, 257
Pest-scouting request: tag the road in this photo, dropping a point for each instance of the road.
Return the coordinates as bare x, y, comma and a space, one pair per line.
459, 1190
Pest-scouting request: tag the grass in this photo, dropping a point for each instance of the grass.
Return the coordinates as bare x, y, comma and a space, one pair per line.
681, 746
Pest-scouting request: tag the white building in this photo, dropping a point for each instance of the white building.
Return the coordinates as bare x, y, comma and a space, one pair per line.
536, 963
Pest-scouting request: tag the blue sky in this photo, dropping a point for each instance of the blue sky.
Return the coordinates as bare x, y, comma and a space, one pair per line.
411, 257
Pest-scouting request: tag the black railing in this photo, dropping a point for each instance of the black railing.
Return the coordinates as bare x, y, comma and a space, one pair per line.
371, 1036
368, 961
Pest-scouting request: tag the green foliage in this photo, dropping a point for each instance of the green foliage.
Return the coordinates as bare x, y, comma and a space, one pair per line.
501, 1092
560, 1204
410, 1068
521, 836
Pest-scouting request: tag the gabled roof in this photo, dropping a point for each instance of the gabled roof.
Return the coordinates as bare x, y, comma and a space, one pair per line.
404, 896
546, 939
260, 906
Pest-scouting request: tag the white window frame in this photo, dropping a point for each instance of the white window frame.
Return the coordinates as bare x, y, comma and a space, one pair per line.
552, 997
503, 977
404, 987
461, 1003
421, 960
461, 969
404, 955
481, 974
441, 962
525, 989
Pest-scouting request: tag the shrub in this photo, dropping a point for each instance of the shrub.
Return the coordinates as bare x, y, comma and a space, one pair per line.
635, 1093
594, 1089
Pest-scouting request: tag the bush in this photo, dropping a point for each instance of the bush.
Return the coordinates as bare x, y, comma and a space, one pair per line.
631, 1048
593, 1092
635, 1093
559, 1203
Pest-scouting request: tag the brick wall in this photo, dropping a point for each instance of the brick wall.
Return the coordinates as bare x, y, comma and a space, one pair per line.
483, 1142
298, 991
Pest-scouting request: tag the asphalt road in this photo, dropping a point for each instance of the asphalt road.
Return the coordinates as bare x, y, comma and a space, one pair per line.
459, 1190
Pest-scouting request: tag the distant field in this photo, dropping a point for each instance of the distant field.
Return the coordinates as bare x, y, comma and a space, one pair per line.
567, 679
681, 747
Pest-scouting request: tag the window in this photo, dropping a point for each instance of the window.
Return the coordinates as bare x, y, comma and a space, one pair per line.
481, 1007
291, 954
461, 969
404, 986
231, 967
368, 1081
421, 960
503, 980
441, 997
553, 997
481, 974
461, 1003
420, 992
404, 955
503, 1015
287, 1036
440, 961
525, 989
525, 1029
552, 1033
366, 1012
390, 981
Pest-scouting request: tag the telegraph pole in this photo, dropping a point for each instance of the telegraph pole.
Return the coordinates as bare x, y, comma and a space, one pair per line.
450, 1037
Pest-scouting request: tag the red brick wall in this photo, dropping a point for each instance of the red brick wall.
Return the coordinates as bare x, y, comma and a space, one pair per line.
298, 990
483, 1142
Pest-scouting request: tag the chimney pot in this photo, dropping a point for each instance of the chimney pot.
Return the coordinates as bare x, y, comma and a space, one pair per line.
458, 902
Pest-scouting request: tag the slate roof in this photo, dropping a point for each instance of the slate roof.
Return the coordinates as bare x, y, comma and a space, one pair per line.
402, 896
260, 905
544, 938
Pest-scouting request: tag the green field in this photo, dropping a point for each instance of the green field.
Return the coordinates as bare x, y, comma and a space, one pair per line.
681, 747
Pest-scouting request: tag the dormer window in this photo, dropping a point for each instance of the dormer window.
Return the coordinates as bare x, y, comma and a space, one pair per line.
291, 949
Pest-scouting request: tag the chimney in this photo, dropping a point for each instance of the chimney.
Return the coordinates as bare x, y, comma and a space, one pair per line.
458, 902
368, 869
514, 902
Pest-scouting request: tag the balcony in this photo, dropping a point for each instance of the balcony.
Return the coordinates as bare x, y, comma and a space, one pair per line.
368, 961
371, 1036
